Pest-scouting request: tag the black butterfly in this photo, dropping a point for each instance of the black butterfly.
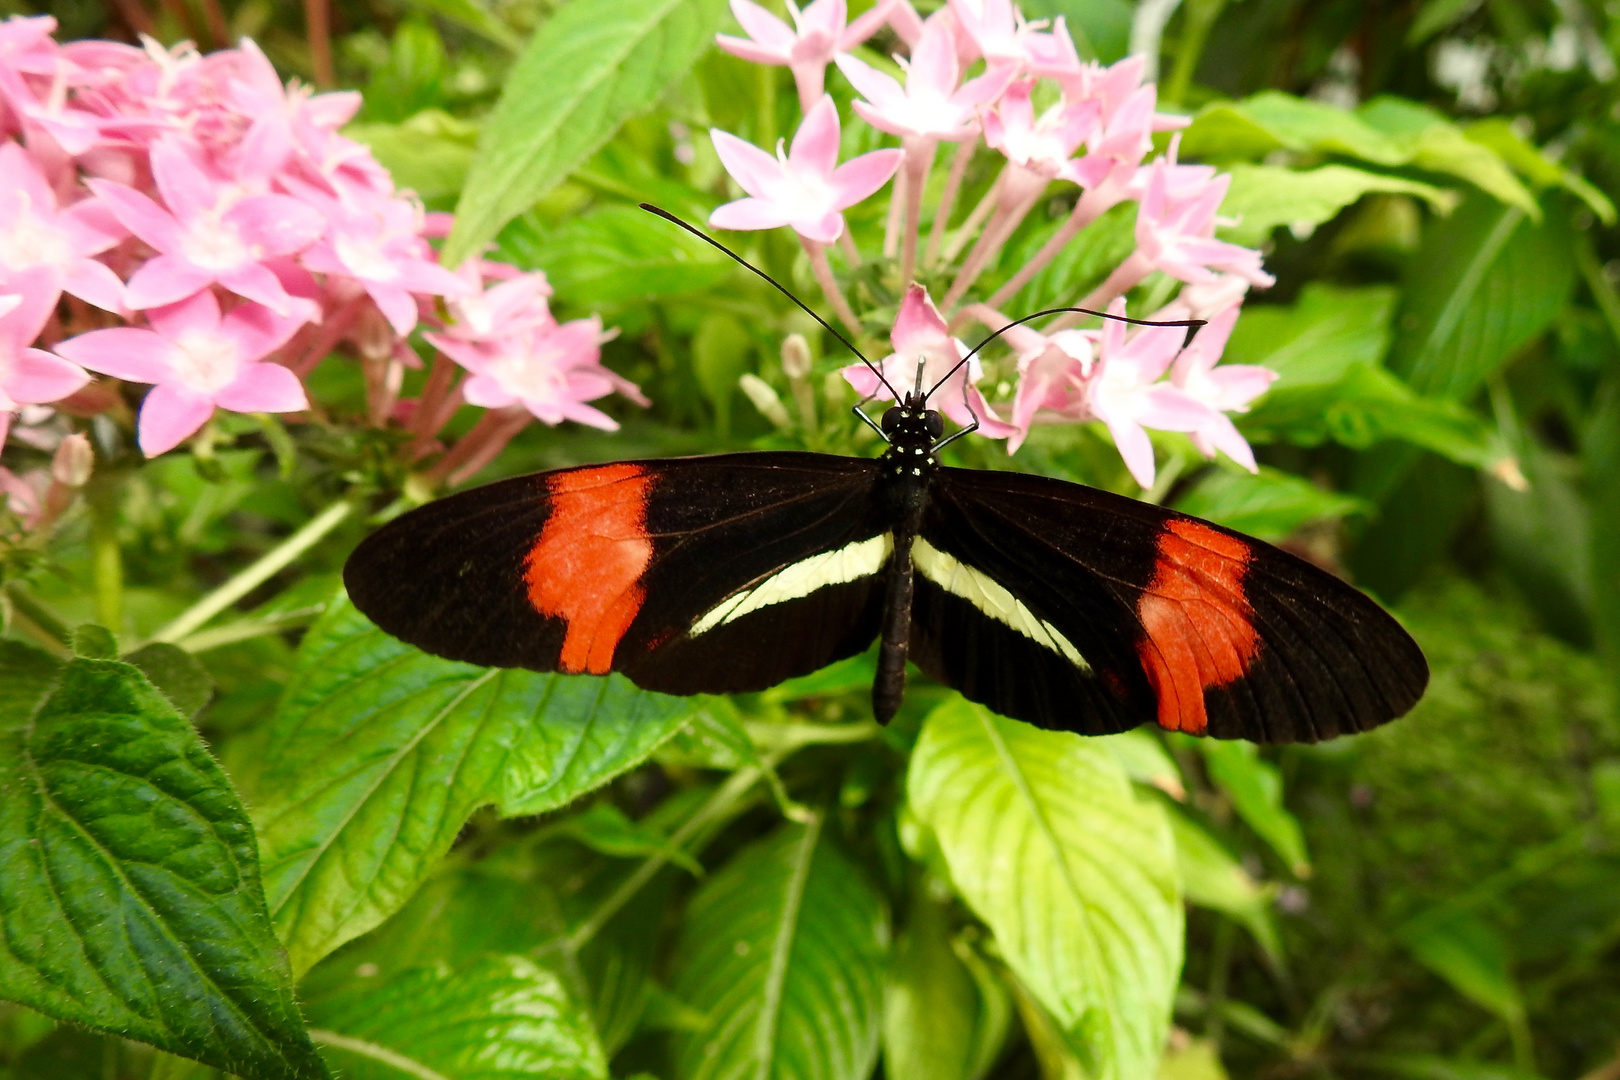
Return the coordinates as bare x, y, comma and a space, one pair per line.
1050, 602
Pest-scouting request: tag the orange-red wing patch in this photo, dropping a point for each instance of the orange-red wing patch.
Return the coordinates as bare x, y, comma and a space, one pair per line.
1199, 627
586, 566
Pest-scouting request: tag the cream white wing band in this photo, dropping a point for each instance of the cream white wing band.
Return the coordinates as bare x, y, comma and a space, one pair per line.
849, 563
991, 598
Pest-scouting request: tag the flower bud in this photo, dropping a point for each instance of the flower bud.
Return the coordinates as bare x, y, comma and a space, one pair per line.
765, 400
796, 356
74, 461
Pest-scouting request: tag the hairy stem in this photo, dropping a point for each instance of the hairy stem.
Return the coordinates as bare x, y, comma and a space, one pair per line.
107, 563
918, 161
947, 200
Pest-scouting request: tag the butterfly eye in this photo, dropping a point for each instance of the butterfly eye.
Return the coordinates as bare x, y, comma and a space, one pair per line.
891, 420
936, 425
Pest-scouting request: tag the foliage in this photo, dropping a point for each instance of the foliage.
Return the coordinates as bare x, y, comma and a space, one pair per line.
244, 831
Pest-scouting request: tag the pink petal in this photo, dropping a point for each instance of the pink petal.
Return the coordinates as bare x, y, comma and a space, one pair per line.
755, 171
139, 214
1166, 408
255, 282
765, 28
38, 377
1134, 447
918, 326
858, 179
397, 306
165, 279
823, 228
94, 283
122, 352
869, 82
486, 392
1223, 435
745, 214
815, 145
258, 330
421, 276
866, 25
263, 387
744, 49
278, 224
199, 312
187, 190
581, 413
169, 416
933, 63
20, 174
91, 227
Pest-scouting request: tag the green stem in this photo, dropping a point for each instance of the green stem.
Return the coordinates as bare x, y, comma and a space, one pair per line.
267, 565
1602, 289
242, 630
725, 797
106, 563
39, 617
1199, 16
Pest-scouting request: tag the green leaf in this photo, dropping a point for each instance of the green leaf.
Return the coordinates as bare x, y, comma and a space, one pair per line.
1435, 1067
1440, 146
1264, 197
721, 351
178, 674
1212, 878
500, 1018
1485, 283
1437, 15
109, 803
94, 642
590, 67
1196, 1059
945, 1016
476, 16
1271, 505
784, 950
1072, 871
620, 254
379, 754
1469, 954
1255, 788
429, 153
1145, 760
1499, 135
1315, 342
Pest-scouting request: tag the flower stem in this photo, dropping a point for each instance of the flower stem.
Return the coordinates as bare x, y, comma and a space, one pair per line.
318, 25
976, 218
1199, 17
1022, 187
493, 445
947, 201
829, 284
256, 574
919, 160
1125, 277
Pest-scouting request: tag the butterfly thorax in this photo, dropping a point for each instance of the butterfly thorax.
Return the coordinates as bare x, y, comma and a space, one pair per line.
912, 430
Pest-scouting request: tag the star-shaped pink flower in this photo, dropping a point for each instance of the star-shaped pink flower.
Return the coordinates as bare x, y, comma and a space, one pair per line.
920, 334
806, 187
208, 234
30, 376
930, 105
37, 233
1125, 393
818, 34
1041, 144
196, 359
1229, 388
1052, 373
551, 371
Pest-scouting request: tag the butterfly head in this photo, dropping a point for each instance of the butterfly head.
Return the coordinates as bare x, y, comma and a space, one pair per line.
912, 423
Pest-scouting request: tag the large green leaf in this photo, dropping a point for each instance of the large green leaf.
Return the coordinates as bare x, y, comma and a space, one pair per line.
1263, 197
945, 1016
1255, 787
380, 753
1212, 878
1270, 505
784, 951
1072, 870
129, 883
588, 69
1326, 332
1469, 954
1485, 283
498, 1018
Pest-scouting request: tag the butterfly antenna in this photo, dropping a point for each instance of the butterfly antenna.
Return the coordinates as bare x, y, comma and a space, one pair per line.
1191, 324
707, 239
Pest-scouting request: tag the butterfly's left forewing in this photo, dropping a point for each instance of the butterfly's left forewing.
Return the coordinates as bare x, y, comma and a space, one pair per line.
1074, 608
691, 575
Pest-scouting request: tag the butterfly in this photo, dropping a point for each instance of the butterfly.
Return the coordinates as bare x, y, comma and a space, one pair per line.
1061, 605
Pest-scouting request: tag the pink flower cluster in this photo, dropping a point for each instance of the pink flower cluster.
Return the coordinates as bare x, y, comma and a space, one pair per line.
217, 237
1095, 139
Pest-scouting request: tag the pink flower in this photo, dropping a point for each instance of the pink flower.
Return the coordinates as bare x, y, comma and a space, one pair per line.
195, 360
919, 334
36, 233
1125, 392
817, 35
1042, 145
930, 106
379, 244
805, 188
996, 27
1222, 389
30, 376
511, 306
550, 371
209, 234
1175, 230
1052, 374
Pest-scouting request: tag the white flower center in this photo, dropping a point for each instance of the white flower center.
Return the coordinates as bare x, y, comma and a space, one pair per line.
213, 245
28, 240
204, 362
530, 372
364, 256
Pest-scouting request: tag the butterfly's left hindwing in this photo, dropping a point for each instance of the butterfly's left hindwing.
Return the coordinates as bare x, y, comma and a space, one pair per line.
1114, 612
694, 575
